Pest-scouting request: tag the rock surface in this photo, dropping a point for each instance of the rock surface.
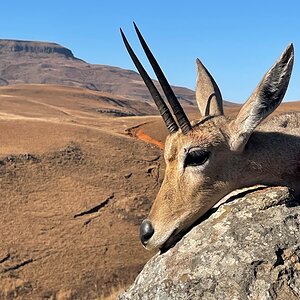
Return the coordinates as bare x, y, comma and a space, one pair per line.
248, 249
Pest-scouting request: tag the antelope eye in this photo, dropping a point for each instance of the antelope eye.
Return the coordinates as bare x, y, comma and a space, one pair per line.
196, 158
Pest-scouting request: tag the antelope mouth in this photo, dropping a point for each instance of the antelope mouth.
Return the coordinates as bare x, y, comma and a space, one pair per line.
178, 233
172, 240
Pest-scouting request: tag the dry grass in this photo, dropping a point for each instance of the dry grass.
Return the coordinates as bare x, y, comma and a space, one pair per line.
42, 192
74, 160
113, 293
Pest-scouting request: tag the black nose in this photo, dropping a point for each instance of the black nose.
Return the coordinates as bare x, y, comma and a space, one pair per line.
146, 231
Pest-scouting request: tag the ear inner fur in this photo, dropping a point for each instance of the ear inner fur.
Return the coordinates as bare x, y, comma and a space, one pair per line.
263, 101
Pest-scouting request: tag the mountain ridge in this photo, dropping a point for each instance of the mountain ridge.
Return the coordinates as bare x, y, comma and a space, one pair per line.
50, 63
24, 46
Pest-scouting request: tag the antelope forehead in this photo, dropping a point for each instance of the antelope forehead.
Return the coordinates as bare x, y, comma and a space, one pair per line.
199, 137
205, 136
171, 146
212, 132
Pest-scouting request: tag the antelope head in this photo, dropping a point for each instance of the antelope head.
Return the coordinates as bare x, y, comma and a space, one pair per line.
207, 160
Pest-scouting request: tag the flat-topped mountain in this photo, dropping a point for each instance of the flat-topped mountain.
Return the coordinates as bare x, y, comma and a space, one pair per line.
50, 63
9, 47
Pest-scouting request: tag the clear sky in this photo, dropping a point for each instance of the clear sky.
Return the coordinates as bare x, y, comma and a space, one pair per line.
237, 40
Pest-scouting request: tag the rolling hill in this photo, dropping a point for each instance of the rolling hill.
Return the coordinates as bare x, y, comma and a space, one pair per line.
50, 63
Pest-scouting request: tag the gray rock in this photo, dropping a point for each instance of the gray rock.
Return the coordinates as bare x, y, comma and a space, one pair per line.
248, 249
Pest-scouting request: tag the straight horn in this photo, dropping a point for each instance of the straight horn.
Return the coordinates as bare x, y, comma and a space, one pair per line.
179, 113
161, 105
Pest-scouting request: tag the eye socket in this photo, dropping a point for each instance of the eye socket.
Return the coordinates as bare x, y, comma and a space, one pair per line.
196, 158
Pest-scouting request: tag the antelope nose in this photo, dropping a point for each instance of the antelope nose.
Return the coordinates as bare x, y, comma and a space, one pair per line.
146, 231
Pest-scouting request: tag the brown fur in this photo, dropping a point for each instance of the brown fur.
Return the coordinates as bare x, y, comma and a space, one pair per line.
239, 156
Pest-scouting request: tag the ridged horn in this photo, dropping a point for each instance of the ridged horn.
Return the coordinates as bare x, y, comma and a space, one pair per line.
161, 105
179, 113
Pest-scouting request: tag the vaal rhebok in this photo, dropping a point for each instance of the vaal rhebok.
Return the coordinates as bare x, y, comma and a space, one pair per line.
214, 156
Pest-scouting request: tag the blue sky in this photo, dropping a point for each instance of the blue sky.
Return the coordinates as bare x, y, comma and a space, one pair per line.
237, 40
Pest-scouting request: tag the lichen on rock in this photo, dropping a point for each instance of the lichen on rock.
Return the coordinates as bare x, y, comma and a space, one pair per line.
248, 249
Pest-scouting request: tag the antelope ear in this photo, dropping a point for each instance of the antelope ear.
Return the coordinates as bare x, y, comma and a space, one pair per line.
263, 101
208, 95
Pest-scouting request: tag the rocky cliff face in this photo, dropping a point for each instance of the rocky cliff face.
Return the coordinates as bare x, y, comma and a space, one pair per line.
248, 249
37, 48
